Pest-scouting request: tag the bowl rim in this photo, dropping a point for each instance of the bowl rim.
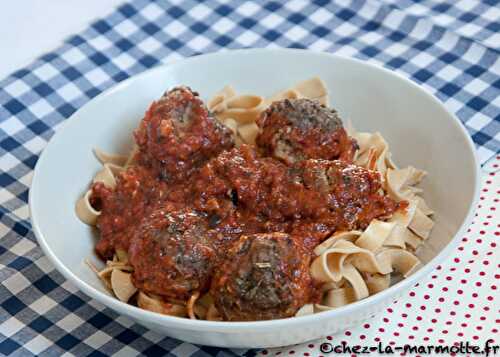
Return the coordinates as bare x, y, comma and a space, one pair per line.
247, 326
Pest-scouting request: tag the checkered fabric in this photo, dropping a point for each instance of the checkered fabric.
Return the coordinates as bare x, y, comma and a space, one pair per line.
452, 49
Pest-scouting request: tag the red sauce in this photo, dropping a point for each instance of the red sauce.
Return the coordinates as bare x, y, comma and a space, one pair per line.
182, 209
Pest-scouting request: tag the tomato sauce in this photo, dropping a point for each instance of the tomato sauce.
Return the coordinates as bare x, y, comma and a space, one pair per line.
190, 196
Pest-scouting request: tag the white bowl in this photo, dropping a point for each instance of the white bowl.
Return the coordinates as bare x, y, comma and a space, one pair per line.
418, 128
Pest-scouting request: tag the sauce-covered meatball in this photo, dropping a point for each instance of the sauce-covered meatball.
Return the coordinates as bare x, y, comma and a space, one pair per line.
171, 254
265, 276
178, 134
352, 192
298, 129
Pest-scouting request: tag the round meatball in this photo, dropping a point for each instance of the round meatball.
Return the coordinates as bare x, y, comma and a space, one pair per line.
178, 134
351, 192
172, 255
265, 276
298, 129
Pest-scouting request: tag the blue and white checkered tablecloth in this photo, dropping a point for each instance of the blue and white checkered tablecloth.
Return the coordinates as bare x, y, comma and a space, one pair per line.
452, 48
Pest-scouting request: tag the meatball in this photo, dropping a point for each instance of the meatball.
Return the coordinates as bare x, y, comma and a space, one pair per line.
352, 192
265, 276
172, 255
298, 129
178, 134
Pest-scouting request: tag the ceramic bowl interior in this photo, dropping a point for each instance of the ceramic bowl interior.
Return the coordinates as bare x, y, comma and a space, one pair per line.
419, 130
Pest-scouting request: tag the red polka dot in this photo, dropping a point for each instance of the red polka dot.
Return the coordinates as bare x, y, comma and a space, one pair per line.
348, 333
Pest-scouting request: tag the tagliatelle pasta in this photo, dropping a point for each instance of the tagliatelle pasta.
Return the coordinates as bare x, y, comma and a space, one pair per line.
377, 282
84, 210
106, 158
346, 267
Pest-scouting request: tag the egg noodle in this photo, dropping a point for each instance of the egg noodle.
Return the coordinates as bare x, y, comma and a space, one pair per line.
349, 265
